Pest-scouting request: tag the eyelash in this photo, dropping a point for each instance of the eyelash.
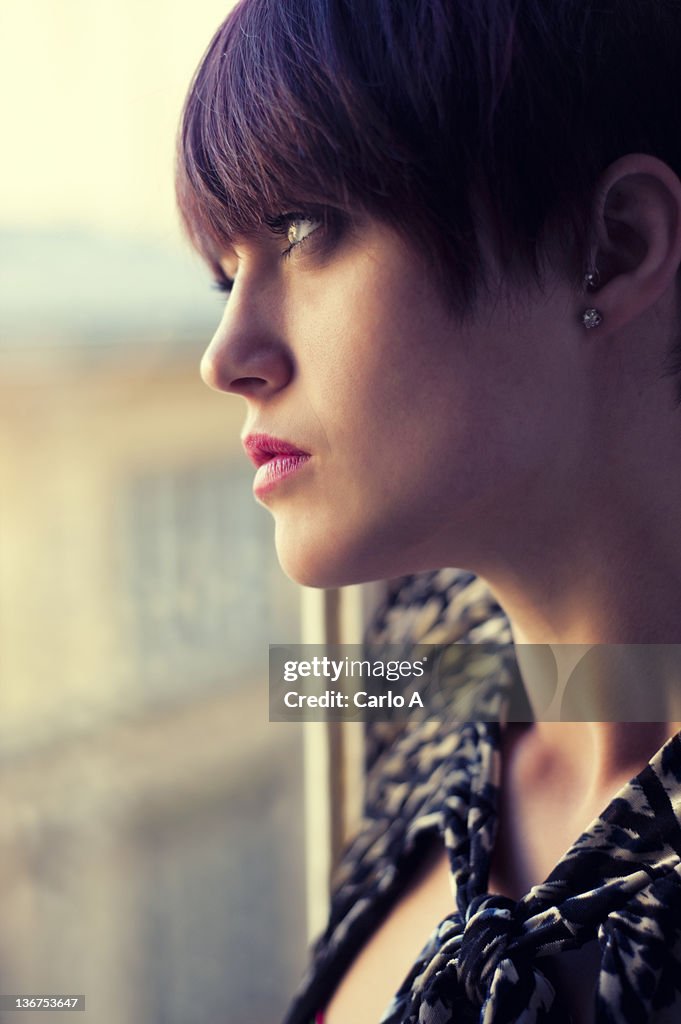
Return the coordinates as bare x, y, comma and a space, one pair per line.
223, 285
279, 225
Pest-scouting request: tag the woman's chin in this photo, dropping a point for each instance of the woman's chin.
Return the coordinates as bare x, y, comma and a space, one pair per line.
320, 572
330, 560
325, 563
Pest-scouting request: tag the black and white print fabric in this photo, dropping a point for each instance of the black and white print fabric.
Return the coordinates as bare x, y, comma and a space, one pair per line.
488, 960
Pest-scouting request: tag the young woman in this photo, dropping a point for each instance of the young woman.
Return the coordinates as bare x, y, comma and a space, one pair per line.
451, 234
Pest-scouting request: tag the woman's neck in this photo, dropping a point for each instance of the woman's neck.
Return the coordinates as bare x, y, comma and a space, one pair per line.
602, 709
598, 638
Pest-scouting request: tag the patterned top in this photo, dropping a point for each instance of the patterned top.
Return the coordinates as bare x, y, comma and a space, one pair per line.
619, 883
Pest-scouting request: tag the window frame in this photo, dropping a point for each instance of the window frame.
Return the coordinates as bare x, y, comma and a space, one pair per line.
333, 752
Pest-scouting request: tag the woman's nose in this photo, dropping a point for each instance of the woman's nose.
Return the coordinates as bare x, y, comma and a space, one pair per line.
246, 355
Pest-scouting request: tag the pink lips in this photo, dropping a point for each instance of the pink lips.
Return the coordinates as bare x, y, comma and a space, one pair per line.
275, 460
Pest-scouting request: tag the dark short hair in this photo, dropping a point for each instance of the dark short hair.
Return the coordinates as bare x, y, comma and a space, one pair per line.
414, 111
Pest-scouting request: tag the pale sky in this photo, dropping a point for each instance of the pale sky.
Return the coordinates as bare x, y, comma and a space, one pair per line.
91, 92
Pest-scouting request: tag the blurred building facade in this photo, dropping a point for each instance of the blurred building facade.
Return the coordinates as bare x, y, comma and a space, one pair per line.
151, 820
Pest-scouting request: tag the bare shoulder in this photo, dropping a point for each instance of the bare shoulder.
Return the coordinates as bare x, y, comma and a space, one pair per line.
384, 961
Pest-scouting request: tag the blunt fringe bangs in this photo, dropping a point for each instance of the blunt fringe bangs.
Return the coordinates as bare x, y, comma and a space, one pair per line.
420, 112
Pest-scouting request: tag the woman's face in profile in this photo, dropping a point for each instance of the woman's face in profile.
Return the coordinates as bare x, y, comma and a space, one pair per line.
425, 435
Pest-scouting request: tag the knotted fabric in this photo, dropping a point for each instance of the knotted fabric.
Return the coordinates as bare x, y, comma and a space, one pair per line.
491, 924
619, 883
488, 961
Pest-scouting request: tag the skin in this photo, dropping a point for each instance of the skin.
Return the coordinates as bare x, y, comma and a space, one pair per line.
419, 426
514, 443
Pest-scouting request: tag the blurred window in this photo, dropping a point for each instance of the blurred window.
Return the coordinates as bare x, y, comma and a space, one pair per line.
152, 851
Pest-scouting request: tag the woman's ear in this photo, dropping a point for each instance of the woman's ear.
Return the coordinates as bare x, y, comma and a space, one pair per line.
636, 232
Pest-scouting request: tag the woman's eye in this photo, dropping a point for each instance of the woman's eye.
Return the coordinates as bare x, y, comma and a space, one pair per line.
296, 228
223, 284
300, 228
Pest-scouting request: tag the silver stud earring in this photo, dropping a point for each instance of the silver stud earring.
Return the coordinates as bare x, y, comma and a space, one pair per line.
592, 318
